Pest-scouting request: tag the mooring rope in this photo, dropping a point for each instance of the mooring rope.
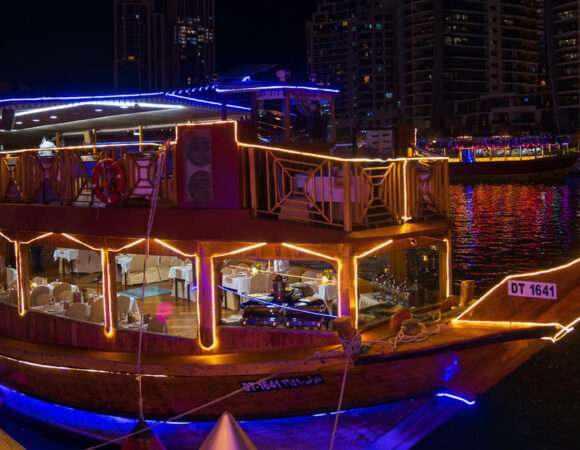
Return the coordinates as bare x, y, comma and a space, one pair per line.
349, 347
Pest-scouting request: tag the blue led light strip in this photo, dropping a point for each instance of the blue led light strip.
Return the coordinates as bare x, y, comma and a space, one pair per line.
267, 303
87, 97
207, 102
274, 87
456, 397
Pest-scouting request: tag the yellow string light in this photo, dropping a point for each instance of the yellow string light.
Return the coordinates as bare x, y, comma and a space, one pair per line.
128, 246
511, 277
297, 152
79, 147
174, 249
38, 238
338, 262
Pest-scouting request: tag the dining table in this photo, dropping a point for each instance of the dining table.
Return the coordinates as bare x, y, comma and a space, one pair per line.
183, 281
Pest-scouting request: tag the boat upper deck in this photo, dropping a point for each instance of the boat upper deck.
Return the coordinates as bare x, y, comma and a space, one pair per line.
202, 157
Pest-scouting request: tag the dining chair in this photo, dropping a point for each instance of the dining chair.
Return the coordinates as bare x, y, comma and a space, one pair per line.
97, 314
40, 296
11, 278
39, 281
123, 305
13, 297
62, 292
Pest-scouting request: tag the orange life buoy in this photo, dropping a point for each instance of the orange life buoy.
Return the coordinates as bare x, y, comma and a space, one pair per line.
109, 181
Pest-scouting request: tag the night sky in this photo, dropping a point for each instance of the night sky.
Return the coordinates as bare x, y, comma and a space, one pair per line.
66, 46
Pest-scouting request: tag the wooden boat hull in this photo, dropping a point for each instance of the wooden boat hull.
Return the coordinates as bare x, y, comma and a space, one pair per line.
526, 170
466, 368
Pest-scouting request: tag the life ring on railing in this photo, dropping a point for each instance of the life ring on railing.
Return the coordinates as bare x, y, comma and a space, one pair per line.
108, 181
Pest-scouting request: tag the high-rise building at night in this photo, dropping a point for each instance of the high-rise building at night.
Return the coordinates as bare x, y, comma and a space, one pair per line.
163, 43
563, 45
484, 59
516, 74
352, 46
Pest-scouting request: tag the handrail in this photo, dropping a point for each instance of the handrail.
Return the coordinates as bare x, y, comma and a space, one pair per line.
347, 193
63, 175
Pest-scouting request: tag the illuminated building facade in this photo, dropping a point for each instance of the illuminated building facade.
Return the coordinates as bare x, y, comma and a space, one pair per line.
351, 45
163, 43
483, 63
563, 31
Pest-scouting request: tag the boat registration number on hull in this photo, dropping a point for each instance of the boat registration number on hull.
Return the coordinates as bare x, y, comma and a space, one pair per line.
276, 384
533, 289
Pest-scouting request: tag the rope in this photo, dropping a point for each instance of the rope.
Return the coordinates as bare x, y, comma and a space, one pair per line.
211, 403
423, 335
140, 303
350, 346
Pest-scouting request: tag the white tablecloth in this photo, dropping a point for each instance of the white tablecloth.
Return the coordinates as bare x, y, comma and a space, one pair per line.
185, 273
125, 262
367, 300
328, 291
182, 273
240, 284
68, 254
281, 265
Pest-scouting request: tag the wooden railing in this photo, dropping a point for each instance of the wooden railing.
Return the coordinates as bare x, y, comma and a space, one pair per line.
347, 193
64, 176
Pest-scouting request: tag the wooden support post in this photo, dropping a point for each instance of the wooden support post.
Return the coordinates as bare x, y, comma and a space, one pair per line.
109, 269
466, 293
253, 182
58, 139
347, 305
443, 272
94, 140
141, 135
22, 272
206, 299
347, 189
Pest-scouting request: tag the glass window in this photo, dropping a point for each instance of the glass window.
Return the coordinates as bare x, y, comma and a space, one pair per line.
390, 282
65, 282
278, 293
167, 285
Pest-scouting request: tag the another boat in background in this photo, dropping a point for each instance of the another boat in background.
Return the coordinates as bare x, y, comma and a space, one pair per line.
505, 158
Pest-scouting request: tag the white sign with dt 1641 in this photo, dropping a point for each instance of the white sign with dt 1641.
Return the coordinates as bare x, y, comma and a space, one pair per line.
533, 289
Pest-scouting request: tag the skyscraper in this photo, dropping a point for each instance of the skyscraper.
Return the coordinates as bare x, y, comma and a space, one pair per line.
563, 45
352, 46
444, 58
482, 58
163, 43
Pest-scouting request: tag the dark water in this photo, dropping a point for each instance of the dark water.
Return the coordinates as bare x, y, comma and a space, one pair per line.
503, 229
499, 229
508, 228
